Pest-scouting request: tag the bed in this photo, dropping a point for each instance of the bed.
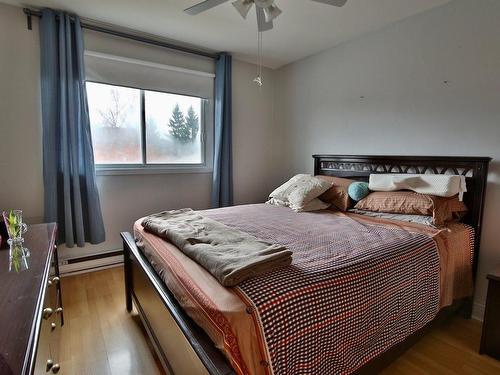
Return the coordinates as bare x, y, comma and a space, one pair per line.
169, 292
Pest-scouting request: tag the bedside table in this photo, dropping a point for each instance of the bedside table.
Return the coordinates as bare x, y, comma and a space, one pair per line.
490, 339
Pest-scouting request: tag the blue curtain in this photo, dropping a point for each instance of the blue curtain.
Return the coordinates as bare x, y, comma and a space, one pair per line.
71, 196
222, 183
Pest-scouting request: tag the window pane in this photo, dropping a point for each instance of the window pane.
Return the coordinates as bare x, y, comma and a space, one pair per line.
173, 128
115, 120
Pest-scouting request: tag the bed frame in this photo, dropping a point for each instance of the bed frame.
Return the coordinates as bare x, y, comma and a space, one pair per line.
183, 348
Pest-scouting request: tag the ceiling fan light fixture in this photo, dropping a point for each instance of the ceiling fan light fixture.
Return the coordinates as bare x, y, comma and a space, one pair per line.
258, 81
243, 6
264, 3
271, 12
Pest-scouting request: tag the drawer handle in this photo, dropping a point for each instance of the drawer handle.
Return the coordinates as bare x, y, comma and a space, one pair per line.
56, 368
47, 313
59, 310
53, 326
49, 365
53, 280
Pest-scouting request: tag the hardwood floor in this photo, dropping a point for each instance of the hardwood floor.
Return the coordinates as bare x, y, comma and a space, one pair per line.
101, 338
451, 348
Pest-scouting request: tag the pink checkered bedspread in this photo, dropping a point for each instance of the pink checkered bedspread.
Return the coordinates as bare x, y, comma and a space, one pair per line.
353, 289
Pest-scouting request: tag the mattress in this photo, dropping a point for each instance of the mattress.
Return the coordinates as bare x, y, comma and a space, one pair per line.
341, 298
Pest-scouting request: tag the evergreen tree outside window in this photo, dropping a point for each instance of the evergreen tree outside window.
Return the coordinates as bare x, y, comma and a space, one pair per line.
193, 123
178, 126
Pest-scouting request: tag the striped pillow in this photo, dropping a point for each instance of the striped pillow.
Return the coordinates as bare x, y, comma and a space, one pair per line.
441, 209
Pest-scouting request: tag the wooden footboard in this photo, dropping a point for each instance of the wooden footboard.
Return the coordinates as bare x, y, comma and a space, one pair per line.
183, 348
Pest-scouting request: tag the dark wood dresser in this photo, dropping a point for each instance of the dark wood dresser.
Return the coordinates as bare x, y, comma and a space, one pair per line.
31, 302
490, 339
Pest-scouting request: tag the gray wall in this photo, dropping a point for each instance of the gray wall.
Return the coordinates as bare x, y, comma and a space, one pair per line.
384, 93
20, 133
123, 198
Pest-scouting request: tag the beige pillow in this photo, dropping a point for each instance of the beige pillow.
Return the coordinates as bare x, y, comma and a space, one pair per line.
299, 191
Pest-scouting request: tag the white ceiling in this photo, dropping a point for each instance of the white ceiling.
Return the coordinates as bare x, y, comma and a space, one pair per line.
304, 28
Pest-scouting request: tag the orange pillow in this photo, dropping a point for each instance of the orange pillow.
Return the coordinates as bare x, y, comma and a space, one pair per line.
337, 195
441, 209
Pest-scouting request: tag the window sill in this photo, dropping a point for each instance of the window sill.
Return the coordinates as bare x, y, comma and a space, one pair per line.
121, 170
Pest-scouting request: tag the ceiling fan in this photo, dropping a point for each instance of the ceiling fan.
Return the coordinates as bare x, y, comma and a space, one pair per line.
266, 10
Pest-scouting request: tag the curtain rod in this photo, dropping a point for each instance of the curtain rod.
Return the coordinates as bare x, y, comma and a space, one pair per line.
36, 13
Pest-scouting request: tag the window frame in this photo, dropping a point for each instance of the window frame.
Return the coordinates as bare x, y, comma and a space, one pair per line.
206, 139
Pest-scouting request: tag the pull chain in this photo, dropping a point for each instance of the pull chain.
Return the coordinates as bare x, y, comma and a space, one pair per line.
258, 79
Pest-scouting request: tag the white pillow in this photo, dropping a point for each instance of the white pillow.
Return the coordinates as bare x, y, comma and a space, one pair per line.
440, 185
306, 189
277, 202
299, 191
283, 191
314, 205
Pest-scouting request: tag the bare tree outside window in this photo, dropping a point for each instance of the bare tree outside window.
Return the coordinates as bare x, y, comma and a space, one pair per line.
114, 114
115, 123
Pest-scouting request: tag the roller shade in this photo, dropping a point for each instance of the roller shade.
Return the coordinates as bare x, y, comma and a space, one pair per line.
121, 62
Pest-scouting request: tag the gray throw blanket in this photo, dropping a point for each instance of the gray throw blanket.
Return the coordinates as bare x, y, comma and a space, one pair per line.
229, 254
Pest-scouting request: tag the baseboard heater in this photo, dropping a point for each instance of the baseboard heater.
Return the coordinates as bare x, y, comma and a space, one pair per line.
91, 263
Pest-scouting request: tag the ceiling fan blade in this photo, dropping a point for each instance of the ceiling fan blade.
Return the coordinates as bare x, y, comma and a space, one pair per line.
337, 3
203, 6
261, 20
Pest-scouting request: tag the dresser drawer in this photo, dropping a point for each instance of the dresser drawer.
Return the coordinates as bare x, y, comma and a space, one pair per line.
48, 343
51, 323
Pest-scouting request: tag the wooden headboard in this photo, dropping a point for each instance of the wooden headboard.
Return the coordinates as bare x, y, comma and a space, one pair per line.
475, 169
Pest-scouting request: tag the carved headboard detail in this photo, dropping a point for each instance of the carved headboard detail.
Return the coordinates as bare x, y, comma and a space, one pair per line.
396, 168
475, 169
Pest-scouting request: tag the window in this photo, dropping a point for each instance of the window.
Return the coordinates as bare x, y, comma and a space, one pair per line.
140, 128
